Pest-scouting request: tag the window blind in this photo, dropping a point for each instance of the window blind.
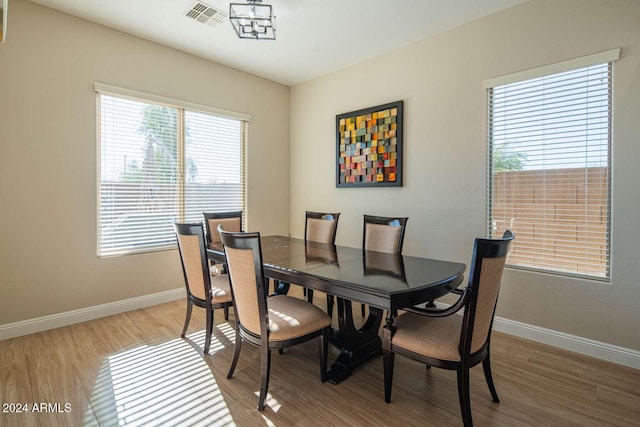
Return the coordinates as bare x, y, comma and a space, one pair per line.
159, 164
549, 170
213, 153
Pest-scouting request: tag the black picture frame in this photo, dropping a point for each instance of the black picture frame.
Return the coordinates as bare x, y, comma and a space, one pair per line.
361, 149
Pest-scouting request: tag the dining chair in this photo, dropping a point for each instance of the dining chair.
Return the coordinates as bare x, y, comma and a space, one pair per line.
384, 234
380, 234
203, 289
270, 323
230, 221
443, 339
320, 227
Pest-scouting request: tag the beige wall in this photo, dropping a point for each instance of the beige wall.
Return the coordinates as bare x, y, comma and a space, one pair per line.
47, 167
440, 80
48, 65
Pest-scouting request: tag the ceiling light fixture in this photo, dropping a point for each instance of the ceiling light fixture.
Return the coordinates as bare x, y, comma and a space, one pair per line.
253, 20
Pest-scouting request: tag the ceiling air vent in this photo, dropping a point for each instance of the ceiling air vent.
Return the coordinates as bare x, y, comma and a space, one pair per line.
205, 14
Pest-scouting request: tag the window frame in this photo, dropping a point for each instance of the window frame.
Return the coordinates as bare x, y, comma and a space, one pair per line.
601, 58
182, 107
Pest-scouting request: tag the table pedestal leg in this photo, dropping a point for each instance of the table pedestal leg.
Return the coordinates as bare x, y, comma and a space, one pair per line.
280, 287
356, 345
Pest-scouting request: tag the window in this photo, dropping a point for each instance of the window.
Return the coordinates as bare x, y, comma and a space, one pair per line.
161, 161
549, 165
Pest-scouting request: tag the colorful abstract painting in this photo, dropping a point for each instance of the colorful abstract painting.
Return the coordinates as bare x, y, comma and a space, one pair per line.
369, 147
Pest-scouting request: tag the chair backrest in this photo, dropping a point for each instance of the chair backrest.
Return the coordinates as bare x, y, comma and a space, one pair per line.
485, 276
193, 255
321, 227
246, 275
230, 221
383, 234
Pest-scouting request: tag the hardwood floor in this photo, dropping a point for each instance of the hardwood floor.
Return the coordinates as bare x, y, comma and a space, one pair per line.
132, 369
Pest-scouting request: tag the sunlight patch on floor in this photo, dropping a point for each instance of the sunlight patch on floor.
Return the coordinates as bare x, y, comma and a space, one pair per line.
268, 421
165, 384
270, 401
228, 331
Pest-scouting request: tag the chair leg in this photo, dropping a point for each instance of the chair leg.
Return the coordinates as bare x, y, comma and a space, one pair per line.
207, 340
236, 353
265, 362
310, 295
329, 305
486, 366
464, 396
187, 318
226, 313
388, 358
324, 350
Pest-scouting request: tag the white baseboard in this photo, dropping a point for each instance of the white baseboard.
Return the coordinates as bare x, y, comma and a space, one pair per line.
53, 321
599, 350
609, 352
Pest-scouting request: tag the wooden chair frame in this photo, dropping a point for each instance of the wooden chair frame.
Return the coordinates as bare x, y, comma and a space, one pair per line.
322, 215
483, 248
382, 220
197, 229
252, 241
219, 215
319, 215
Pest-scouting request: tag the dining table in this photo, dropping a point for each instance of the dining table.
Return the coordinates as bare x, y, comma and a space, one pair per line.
385, 282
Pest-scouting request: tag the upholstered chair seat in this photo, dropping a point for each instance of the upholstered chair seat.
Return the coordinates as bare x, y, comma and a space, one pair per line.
429, 336
270, 323
291, 318
220, 291
443, 338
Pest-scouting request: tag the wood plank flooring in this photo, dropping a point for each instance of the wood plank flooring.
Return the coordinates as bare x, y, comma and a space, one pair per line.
132, 369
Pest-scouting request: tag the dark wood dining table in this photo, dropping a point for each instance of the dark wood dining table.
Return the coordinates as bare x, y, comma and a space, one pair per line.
386, 282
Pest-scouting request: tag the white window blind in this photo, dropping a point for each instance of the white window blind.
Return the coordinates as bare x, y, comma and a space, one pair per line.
549, 169
213, 153
159, 164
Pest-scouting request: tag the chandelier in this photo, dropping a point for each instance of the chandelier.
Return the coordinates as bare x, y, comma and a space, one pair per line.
253, 20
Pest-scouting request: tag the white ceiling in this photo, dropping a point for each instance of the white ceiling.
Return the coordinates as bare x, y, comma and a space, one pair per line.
314, 37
